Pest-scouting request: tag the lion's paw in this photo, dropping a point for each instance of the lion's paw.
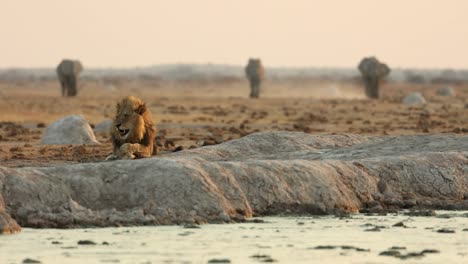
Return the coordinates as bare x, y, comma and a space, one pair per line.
126, 151
111, 157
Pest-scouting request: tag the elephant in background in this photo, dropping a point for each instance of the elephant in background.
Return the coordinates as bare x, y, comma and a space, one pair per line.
68, 71
373, 71
255, 74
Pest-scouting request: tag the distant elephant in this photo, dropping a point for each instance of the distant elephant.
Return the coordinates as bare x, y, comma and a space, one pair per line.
373, 71
255, 73
68, 71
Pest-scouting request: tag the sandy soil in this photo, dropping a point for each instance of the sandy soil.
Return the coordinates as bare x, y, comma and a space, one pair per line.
196, 113
356, 239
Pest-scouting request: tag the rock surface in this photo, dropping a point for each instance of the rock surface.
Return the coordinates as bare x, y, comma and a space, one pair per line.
104, 126
414, 99
261, 174
72, 129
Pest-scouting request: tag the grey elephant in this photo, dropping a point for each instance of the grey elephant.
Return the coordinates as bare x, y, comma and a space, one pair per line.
373, 71
68, 71
255, 74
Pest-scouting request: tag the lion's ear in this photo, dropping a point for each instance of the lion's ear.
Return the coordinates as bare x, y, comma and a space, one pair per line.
141, 109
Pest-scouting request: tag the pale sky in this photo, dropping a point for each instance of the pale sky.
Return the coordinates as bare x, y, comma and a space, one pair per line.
128, 33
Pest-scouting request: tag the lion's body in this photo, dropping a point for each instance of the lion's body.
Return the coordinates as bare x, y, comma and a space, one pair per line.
133, 130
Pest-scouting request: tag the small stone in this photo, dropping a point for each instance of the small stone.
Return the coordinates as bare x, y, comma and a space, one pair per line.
324, 247
355, 248
430, 251
445, 231
362, 249
446, 91
347, 247
192, 226
28, 260
400, 224
397, 248
86, 242
375, 229
219, 261
263, 258
185, 234
391, 253
412, 255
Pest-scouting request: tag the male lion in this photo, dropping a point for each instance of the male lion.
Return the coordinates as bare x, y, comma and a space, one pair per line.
132, 131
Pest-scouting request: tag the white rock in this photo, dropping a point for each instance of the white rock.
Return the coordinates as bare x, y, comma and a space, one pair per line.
446, 91
414, 99
72, 129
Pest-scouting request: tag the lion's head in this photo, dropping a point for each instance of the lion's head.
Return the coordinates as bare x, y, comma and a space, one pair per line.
131, 120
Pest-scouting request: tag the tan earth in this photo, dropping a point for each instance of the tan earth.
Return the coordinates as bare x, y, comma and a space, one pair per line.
196, 113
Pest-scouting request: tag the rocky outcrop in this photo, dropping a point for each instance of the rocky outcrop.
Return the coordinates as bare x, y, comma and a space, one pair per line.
261, 174
72, 129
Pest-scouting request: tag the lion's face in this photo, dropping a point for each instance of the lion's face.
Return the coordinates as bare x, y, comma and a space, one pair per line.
128, 122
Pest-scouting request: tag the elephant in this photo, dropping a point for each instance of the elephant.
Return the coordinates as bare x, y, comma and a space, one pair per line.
373, 71
68, 71
255, 74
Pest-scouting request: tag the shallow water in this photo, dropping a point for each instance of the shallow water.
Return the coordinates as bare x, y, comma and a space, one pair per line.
283, 239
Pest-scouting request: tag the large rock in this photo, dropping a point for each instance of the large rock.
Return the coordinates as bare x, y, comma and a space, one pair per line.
72, 129
414, 99
261, 174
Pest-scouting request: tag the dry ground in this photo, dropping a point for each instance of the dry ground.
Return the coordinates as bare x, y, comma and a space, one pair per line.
196, 113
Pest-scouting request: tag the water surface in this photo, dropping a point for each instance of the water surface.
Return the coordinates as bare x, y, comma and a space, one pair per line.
279, 239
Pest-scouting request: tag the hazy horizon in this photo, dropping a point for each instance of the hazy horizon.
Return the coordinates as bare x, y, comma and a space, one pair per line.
127, 34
